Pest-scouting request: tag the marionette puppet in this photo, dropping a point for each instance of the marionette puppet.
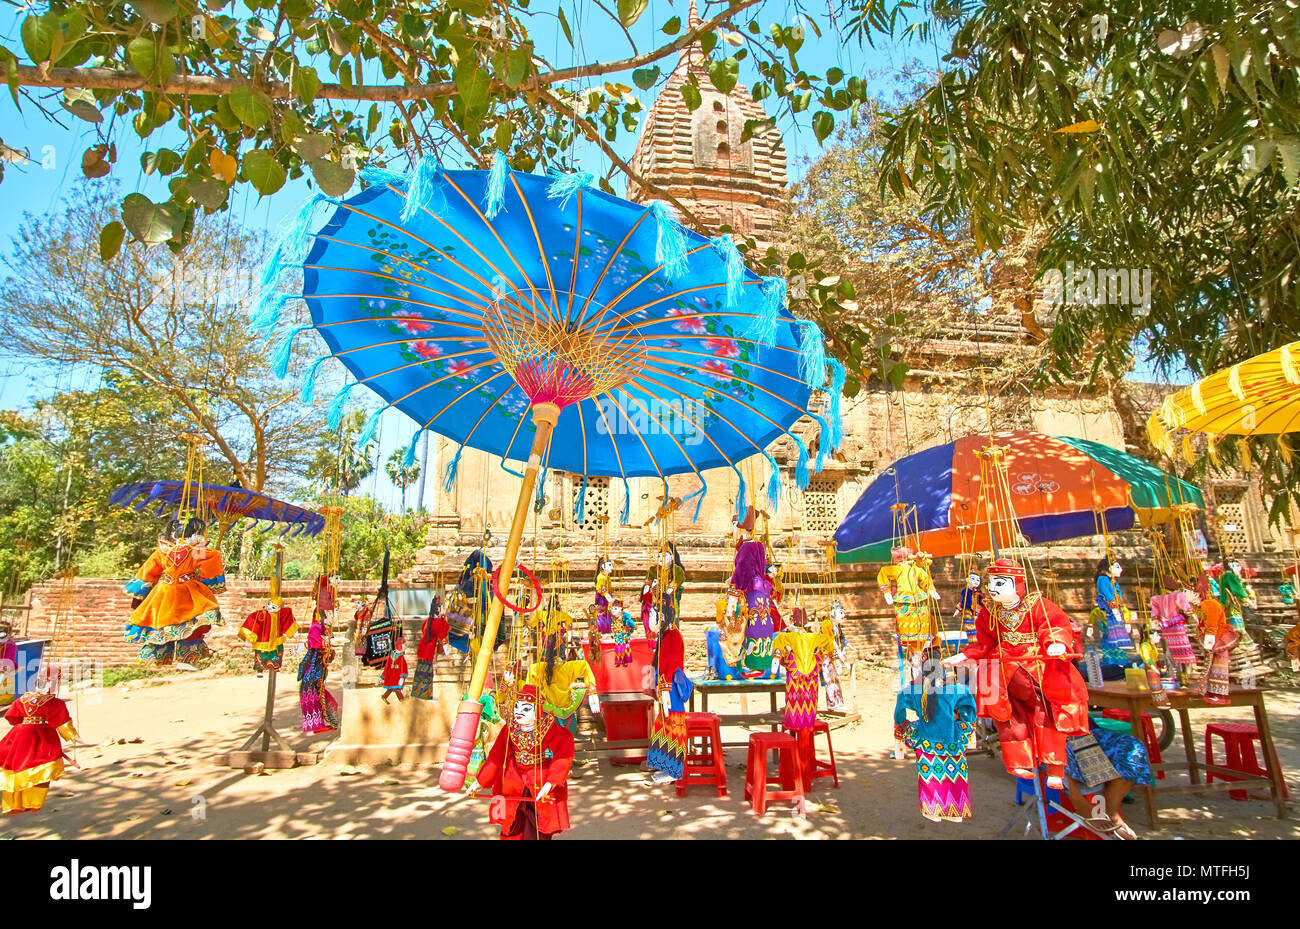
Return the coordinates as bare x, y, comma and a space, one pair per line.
1219, 639
563, 684
624, 627
434, 633
394, 673
667, 756
1234, 594
527, 769
945, 717
749, 594
31, 753
968, 605
174, 597
1110, 620
833, 668
1170, 612
604, 592
8, 664
802, 655
670, 566
266, 631
907, 587
649, 594
1039, 698
320, 711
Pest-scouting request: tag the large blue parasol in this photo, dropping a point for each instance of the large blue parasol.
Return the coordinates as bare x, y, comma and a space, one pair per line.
227, 505
500, 308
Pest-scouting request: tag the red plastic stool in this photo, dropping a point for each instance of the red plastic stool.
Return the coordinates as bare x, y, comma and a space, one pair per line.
707, 767
807, 746
1148, 735
1239, 746
790, 776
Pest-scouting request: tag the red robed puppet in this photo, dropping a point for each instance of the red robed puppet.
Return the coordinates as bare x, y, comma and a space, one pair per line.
527, 771
1036, 698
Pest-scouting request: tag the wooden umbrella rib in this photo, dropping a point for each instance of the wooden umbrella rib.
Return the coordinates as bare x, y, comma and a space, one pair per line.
609, 264
785, 400
577, 249
553, 305
450, 338
478, 317
704, 432
651, 273
610, 327
742, 432
637, 432
469, 393
537, 297
387, 319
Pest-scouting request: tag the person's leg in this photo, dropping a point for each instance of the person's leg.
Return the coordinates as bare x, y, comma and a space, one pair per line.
1115, 791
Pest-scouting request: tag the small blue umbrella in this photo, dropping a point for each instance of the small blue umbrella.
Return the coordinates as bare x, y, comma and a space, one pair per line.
227, 505
541, 319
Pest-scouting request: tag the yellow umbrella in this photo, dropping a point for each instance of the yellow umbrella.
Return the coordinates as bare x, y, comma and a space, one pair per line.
1259, 396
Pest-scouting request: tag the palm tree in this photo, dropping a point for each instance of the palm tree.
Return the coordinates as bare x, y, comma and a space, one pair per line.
402, 474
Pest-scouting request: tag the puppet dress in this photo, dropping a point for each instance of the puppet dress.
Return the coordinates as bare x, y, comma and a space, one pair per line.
559, 697
266, 632
942, 785
1116, 642
320, 711
668, 736
178, 584
1215, 685
433, 638
515, 769
31, 754
623, 629
910, 585
1170, 611
802, 655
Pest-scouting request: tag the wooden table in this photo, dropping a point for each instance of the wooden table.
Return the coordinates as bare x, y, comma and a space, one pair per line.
1116, 695
772, 719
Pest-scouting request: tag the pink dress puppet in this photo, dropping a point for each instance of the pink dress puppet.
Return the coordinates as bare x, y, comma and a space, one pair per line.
750, 581
1170, 612
604, 593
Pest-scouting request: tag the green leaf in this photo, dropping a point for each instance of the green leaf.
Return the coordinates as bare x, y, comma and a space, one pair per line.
158, 12
110, 240
834, 76
629, 11
263, 171
313, 146
564, 24
147, 221
851, 386
518, 63
645, 77
503, 134
95, 161
208, 192
822, 123
305, 83
1221, 65
149, 61
1289, 152
724, 73
691, 94
38, 34
164, 161
252, 107
673, 26
332, 178
83, 109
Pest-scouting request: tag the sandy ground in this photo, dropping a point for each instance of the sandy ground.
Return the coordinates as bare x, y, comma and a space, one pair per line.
147, 773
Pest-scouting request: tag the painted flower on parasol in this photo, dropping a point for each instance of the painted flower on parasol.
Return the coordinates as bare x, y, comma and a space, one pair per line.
468, 299
225, 505
1051, 488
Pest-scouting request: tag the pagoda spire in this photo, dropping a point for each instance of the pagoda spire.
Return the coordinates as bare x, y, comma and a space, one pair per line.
693, 17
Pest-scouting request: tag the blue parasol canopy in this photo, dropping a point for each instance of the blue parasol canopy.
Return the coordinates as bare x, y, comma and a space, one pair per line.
224, 504
462, 298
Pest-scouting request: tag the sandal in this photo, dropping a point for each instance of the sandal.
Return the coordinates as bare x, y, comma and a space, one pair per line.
1124, 831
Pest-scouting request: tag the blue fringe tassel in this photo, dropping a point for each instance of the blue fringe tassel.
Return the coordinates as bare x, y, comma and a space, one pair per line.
582, 501
280, 363
801, 475
424, 189
735, 262
370, 429
297, 234
334, 419
308, 394
836, 391
670, 248
564, 186
627, 504
822, 446
409, 459
699, 493
494, 197
266, 314
373, 176
812, 354
449, 472
773, 482
763, 328
742, 495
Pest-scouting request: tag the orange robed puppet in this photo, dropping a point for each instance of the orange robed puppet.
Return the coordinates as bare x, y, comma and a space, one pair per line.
1034, 693
527, 771
176, 590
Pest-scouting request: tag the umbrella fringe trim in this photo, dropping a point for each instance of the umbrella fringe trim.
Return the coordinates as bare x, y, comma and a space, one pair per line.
408, 460
370, 429
374, 176
726, 248
801, 475
563, 186
763, 329
822, 447
627, 504
334, 418
812, 353
449, 472
494, 195
424, 189
280, 361
773, 481
581, 509
742, 495
704, 488
670, 243
836, 389
308, 394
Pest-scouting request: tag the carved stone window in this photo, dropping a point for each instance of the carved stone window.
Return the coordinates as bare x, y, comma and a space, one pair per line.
821, 506
597, 501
